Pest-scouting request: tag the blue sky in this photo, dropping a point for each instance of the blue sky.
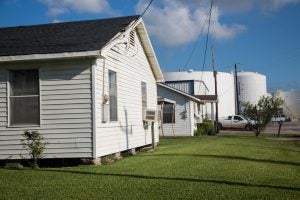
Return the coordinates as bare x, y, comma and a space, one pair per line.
260, 35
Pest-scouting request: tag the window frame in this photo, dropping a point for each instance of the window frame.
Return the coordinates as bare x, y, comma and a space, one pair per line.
172, 114
144, 96
8, 106
109, 92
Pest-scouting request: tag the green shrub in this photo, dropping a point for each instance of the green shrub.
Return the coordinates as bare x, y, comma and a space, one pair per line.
34, 144
203, 128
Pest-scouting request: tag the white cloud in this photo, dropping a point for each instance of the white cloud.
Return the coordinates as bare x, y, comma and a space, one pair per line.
58, 7
56, 21
177, 22
262, 5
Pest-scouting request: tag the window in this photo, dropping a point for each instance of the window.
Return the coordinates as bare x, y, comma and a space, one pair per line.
168, 113
113, 104
237, 118
144, 94
24, 97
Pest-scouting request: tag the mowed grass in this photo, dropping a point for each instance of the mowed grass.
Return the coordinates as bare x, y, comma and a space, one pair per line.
226, 166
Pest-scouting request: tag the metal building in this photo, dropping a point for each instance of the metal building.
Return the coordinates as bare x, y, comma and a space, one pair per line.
202, 83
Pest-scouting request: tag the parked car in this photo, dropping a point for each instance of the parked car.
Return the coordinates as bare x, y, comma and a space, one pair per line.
236, 122
279, 118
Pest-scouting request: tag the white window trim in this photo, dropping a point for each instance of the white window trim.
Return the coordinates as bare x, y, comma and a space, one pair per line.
8, 101
109, 120
146, 94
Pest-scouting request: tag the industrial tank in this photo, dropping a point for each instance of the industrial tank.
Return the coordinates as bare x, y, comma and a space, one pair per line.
225, 83
251, 86
291, 107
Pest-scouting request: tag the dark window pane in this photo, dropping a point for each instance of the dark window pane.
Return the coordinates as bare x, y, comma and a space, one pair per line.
24, 110
168, 113
113, 104
24, 82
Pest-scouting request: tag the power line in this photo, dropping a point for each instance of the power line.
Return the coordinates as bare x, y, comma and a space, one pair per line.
195, 44
206, 42
146, 9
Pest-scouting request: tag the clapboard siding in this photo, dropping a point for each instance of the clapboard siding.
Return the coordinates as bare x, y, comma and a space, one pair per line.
66, 115
182, 126
132, 67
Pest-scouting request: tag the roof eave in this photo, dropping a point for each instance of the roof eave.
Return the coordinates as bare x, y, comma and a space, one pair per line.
149, 51
180, 92
146, 43
50, 56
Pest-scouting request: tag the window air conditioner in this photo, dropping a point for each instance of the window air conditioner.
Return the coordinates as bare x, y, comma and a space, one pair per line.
149, 114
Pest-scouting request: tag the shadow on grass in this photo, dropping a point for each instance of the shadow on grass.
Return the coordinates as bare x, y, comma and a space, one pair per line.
230, 158
291, 150
196, 180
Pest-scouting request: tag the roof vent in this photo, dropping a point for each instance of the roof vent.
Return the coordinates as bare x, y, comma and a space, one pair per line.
132, 38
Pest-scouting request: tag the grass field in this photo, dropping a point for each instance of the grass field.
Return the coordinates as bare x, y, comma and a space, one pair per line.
226, 166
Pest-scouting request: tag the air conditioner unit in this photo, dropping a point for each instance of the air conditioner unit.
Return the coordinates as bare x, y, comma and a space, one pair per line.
149, 114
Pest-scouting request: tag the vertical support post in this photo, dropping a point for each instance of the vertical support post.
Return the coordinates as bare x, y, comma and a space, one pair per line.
212, 119
279, 128
236, 91
152, 134
216, 89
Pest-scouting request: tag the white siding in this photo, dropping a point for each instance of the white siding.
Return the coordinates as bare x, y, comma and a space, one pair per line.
66, 122
182, 126
132, 67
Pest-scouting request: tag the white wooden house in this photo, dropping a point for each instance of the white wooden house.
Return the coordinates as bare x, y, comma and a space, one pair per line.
180, 112
83, 85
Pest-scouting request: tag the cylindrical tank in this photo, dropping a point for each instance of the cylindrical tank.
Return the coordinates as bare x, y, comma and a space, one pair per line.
225, 83
251, 86
291, 107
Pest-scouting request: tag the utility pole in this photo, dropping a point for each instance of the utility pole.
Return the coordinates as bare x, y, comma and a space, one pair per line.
236, 91
216, 89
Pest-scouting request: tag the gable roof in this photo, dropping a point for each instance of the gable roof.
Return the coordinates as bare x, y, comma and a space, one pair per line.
76, 36
179, 92
90, 38
198, 98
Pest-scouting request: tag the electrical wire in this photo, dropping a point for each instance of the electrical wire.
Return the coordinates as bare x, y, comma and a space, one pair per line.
206, 42
195, 44
148, 6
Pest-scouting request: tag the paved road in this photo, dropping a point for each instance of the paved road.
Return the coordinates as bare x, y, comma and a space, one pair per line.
287, 127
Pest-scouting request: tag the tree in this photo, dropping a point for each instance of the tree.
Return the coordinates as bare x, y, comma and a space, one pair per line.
35, 146
262, 112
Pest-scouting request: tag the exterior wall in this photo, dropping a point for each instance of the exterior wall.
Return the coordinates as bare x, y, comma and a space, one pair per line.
291, 107
132, 67
251, 86
185, 86
225, 83
182, 126
65, 110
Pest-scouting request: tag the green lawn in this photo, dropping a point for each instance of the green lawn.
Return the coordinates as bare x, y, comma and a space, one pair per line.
216, 167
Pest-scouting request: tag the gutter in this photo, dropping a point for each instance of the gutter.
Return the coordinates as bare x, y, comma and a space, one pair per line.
90, 54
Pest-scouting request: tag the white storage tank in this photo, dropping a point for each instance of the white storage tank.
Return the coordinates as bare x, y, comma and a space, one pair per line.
225, 82
251, 86
291, 107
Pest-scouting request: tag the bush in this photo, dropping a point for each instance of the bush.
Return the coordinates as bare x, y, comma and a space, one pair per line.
34, 144
203, 128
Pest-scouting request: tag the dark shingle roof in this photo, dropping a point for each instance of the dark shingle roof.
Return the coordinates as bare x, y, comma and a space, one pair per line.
61, 37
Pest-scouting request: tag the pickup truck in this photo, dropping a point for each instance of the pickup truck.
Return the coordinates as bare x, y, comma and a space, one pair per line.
235, 121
